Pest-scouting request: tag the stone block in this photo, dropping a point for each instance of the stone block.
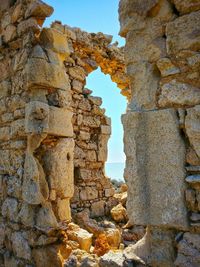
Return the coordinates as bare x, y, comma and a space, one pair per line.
29, 25
83, 237
192, 158
109, 192
102, 152
95, 100
38, 9
14, 186
20, 246
64, 212
144, 85
77, 73
188, 250
88, 193
10, 209
119, 213
183, 33
186, 6
155, 171
35, 188
91, 121
98, 209
178, 94
60, 122
91, 156
17, 129
106, 129
36, 117
9, 33
45, 217
166, 67
192, 127
42, 118
48, 256
27, 214
59, 169
53, 39
41, 74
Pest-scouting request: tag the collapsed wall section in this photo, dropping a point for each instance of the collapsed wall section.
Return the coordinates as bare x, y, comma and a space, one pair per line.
161, 125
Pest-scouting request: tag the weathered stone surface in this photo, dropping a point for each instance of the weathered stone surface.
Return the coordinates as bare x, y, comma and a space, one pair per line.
166, 67
44, 75
194, 181
81, 236
151, 138
42, 118
144, 85
188, 251
29, 25
60, 122
54, 40
47, 256
190, 199
20, 246
45, 217
38, 9
88, 193
58, 166
192, 127
192, 158
187, 6
9, 33
113, 237
27, 215
178, 94
36, 117
5, 88
35, 189
10, 209
112, 259
183, 33
102, 152
64, 212
118, 213
38, 52
98, 209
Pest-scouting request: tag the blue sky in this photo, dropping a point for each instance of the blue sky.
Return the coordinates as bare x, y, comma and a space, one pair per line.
98, 16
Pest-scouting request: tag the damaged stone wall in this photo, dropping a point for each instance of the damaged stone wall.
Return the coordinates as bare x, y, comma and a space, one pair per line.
92, 128
51, 131
162, 126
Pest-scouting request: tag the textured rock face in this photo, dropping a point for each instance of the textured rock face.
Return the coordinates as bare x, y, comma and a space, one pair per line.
161, 127
152, 143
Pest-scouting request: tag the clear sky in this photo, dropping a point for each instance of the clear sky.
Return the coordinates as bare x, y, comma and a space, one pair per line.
97, 16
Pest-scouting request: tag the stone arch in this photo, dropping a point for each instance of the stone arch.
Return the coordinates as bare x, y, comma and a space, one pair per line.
90, 51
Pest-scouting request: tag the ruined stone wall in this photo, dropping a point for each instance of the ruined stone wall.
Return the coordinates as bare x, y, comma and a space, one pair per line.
162, 125
92, 128
34, 133
49, 124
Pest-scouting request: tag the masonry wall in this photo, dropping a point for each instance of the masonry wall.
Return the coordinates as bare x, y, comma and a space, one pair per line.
53, 133
162, 126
